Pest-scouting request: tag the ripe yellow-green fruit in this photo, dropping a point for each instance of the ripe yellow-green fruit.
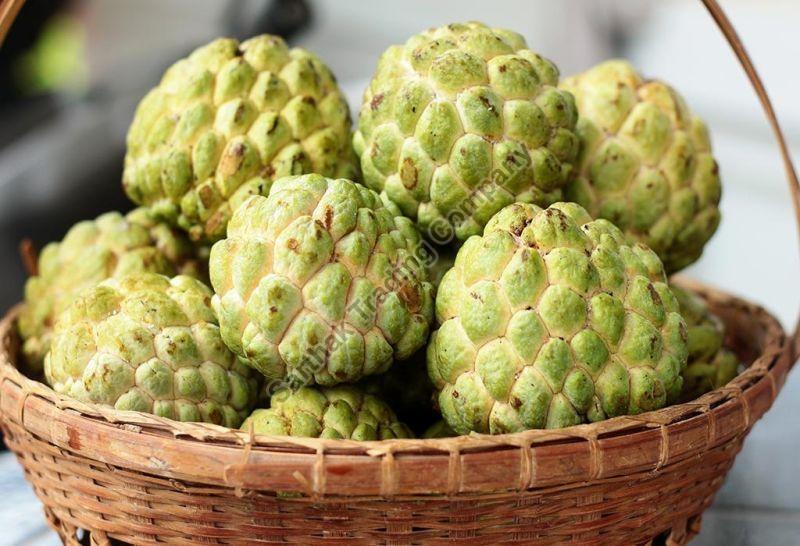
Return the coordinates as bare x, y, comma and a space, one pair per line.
112, 245
552, 319
461, 121
228, 120
321, 282
334, 412
710, 365
646, 163
151, 344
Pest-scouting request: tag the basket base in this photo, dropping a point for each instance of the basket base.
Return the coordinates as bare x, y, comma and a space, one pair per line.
70, 536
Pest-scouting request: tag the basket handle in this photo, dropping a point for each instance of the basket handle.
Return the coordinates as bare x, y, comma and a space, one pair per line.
736, 44
8, 12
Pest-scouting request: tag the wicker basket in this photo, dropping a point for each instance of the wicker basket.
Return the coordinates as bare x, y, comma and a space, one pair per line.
107, 477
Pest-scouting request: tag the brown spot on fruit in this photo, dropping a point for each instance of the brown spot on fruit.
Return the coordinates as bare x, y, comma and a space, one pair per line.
216, 221
409, 174
215, 416
488, 105
653, 294
206, 195
292, 244
328, 217
376, 101
410, 296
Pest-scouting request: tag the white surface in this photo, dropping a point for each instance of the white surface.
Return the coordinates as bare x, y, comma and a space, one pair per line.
21, 516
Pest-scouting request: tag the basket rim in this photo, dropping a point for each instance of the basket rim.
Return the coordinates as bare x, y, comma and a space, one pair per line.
244, 460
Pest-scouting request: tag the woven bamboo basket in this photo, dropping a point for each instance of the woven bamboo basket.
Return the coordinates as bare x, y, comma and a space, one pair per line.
109, 477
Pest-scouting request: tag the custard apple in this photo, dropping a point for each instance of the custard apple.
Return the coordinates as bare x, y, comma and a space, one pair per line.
228, 120
702, 376
705, 331
710, 364
646, 163
151, 344
461, 121
552, 319
321, 283
112, 245
337, 412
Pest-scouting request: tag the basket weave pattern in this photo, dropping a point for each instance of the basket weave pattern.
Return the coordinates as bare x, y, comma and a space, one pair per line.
107, 477
631, 480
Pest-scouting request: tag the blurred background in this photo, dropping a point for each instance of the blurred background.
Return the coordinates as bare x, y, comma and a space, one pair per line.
71, 73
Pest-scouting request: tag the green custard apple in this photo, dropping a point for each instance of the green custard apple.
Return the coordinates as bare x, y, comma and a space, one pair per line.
112, 245
321, 282
225, 122
705, 331
646, 163
710, 365
552, 319
149, 343
461, 121
702, 376
341, 412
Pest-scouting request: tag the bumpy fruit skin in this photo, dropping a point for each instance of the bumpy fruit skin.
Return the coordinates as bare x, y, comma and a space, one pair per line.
645, 162
549, 320
702, 376
151, 344
710, 365
461, 121
112, 245
321, 283
342, 412
705, 331
228, 120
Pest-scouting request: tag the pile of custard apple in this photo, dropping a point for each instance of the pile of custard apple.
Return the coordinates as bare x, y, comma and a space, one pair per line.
488, 251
